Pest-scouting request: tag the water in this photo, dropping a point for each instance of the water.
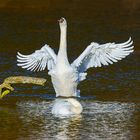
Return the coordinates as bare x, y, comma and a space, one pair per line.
110, 95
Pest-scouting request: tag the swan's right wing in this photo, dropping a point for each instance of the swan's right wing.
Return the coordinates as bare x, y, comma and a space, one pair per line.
39, 60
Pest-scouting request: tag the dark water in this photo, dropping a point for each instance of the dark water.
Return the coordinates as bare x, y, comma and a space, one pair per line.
110, 95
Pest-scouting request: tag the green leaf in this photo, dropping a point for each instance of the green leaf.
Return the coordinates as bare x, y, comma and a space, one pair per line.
4, 93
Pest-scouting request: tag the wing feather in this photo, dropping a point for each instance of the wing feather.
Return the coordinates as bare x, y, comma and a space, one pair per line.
38, 60
96, 55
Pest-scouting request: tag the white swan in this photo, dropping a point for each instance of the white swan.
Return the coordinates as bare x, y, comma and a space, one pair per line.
65, 76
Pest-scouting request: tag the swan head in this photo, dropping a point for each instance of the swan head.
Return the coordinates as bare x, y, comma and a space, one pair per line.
62, 22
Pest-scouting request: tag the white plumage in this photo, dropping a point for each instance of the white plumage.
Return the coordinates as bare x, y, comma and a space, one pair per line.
65, 76
96, 55
38, 60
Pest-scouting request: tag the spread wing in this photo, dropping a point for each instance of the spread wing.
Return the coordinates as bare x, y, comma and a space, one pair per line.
39, 60
96, 55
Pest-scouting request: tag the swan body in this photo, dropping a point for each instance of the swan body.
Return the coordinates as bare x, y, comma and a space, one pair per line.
65, 76
63, 73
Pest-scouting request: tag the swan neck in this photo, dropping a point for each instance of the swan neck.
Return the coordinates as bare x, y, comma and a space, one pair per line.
63, 37
62, 54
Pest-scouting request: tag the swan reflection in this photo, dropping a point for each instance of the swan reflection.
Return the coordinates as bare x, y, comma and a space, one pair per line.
100, 120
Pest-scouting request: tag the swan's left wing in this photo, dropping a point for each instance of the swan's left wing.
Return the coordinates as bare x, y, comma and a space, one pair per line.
39, 60
96, 55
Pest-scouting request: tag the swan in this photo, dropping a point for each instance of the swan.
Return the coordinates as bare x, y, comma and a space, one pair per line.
65, 77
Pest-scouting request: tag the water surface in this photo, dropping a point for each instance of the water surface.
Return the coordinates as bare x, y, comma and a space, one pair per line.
110, 95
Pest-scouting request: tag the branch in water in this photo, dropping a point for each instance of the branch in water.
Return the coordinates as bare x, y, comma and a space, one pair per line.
25, 80
18, 80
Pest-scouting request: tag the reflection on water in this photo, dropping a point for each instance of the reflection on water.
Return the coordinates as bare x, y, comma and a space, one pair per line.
99, 120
